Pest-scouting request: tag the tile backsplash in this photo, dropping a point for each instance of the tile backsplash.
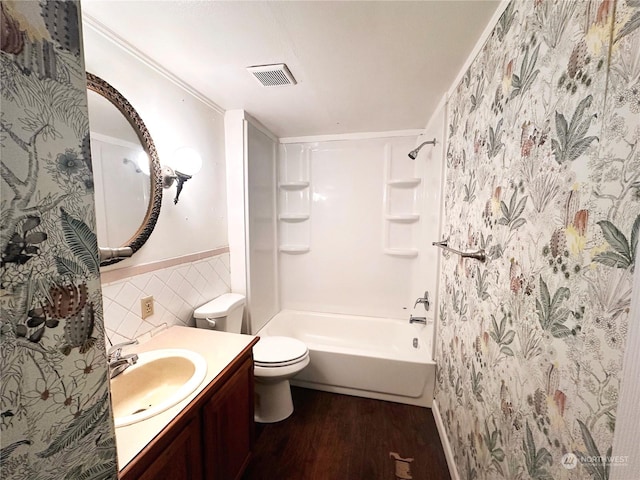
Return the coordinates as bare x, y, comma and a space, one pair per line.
176, 290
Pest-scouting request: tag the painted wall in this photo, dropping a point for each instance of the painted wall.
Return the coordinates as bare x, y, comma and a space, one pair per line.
431, 169
542, 172
174, 118
262, 249
251, 187
625, 440
353, 225
54, 398
235, 153
196, 225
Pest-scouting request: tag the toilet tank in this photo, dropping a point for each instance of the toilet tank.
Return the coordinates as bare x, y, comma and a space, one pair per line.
222, 313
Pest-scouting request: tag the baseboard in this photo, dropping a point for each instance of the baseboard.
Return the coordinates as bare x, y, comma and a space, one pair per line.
444, 439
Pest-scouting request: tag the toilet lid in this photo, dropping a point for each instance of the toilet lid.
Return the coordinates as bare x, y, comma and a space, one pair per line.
278, 351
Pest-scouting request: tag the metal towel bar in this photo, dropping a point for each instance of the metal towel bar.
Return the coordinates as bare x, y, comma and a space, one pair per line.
480, 255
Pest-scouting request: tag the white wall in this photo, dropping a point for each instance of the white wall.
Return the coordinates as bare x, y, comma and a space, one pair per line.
364, 251
174, 118
235, 127
430, 166
262, 249
251, 183
626, 439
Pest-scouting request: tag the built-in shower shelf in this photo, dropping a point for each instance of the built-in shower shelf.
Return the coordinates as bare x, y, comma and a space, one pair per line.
294, 248
294, 185
406, 218
404, 182
402, 252
293, 217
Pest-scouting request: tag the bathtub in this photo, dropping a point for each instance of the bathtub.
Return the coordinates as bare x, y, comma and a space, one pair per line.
381, 358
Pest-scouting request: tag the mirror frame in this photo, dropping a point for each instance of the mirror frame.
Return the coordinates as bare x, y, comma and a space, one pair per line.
103, 88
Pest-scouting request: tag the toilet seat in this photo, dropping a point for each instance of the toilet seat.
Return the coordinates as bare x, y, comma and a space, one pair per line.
279, 351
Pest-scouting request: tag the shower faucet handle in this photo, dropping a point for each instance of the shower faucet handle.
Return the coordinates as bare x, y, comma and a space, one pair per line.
424, 301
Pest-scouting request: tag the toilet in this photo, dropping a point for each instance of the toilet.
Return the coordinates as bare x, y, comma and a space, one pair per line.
276, 359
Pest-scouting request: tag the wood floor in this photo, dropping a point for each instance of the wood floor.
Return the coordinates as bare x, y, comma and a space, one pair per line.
339, 437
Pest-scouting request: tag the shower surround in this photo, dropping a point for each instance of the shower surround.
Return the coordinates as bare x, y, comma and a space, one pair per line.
543, 171
331, 228
352, 225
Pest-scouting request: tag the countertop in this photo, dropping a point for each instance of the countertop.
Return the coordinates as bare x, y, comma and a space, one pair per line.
218, 348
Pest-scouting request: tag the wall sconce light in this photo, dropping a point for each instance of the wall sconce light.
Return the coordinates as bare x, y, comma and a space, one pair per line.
186, 162
143, 163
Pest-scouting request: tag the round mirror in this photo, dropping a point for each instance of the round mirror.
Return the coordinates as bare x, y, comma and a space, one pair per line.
126, 170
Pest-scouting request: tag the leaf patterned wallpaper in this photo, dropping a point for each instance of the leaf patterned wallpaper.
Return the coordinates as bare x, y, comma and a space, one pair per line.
544, 174
54, 401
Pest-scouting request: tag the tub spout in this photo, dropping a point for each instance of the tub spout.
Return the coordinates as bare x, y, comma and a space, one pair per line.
420, 320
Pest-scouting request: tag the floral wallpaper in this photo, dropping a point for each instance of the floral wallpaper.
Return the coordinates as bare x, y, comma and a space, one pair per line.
544, 175
54, 400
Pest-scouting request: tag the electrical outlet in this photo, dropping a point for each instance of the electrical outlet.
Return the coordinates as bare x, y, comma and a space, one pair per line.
146, 307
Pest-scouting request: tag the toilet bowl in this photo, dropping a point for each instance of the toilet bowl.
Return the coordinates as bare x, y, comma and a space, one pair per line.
276, 359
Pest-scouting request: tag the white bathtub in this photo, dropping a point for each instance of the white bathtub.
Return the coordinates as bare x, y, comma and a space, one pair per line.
363, 356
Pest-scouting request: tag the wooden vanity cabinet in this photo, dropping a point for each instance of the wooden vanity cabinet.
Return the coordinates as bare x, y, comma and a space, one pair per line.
180, 459
211, 439
228, 427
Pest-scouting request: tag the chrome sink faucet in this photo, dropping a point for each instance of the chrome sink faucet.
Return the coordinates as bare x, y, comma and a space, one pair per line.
118, 363
424, 301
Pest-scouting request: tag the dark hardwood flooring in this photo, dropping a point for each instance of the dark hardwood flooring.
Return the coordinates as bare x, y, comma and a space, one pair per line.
340, 437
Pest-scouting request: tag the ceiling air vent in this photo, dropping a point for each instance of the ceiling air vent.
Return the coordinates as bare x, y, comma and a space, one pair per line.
272, 75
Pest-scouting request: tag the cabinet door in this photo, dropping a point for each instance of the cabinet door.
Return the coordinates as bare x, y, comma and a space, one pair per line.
228, 427
180, 460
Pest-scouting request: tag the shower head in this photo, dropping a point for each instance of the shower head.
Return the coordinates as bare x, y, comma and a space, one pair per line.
413, 154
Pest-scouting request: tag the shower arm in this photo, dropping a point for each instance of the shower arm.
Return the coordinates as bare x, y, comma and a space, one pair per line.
413, 154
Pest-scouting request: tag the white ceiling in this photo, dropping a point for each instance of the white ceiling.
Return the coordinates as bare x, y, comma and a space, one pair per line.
368, 66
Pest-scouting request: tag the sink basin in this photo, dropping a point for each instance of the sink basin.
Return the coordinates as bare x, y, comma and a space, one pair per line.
158, 381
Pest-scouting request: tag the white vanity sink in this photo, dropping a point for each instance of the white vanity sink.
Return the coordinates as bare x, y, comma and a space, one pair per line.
159, 380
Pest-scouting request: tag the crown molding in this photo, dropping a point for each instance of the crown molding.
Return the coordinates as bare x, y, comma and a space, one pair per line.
352, 136
93, 24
